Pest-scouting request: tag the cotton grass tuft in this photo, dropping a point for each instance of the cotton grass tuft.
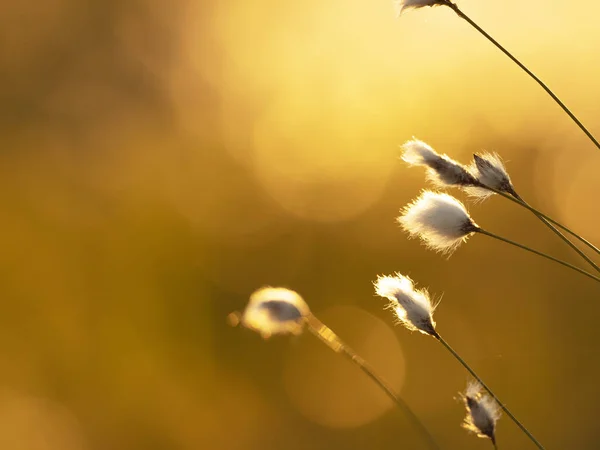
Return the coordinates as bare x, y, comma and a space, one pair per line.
275, 311
442, 170
401, 5
412, 306
490, 172
482, 412
439, 220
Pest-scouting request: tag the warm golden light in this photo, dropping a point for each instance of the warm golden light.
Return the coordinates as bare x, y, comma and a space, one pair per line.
160, 161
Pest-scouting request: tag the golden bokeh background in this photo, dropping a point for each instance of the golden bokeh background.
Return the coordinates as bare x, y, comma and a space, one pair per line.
160, 161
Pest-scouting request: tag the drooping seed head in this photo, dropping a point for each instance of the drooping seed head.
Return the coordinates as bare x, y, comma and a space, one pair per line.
412, 306
275, 311
482, 412
401, 5
442, 170
439, 220
489, 170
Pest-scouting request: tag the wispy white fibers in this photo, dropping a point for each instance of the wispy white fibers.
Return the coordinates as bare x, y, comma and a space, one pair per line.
401, 5
439, 220
412, 306
489, 170
482, 412
275, 311
442, 170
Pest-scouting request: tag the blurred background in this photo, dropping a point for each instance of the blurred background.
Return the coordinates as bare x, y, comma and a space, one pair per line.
160, 161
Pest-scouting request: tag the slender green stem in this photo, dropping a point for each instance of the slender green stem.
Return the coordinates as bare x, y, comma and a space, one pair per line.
569, 243
327, 336
564, 238
559, 234
368, 370
521, 202
543, 255
462, 15
502, 405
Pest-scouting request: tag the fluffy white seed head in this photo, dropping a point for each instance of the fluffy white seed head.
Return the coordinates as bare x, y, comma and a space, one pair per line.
482, 412
441, 169
275, 311
489, 171
401, 5
439, 220
412, 306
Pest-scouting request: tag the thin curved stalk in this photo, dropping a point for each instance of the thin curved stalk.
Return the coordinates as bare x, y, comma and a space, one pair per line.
462, 15
329, 338
559, 234
569, 243
564, 238
543, 255
524, 204
485, 386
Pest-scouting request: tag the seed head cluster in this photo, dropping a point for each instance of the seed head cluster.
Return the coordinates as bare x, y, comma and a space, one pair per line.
485, 174
412, 306
401, 5
275, 311
482, 412
439, 220
490, 171
442, 170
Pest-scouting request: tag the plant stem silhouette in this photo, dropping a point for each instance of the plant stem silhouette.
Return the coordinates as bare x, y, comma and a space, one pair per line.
462, 15
485, 386
518, 200
329, 338
542, 254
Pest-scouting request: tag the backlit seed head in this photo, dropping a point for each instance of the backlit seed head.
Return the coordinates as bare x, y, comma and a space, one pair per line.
482, 412
412, 306
442, 170
439, 220
401, 5
489, 170
274, 311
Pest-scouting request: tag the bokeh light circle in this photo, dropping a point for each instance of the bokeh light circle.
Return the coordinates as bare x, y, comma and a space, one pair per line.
315, 169
332, 391
37, 424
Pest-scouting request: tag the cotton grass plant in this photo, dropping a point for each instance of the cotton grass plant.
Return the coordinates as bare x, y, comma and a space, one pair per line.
484, 177
439, 220
280, 311
482, 412
402, 5
414, 309
442, 223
